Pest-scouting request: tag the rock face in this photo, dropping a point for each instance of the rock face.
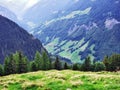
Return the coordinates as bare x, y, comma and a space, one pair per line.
87, 28
14, 38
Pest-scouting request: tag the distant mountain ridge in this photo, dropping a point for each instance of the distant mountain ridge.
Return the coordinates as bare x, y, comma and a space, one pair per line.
10, 15
7, 13
87, 28
14, 38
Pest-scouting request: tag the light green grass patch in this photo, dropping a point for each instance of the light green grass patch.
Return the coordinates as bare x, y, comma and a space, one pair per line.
82, 48
61, 80
51, 46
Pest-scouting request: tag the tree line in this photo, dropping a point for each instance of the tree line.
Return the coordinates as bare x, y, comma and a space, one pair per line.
18, 63
109, 63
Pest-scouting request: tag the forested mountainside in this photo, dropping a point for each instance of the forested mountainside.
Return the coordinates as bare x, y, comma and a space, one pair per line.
14, 38
86, 28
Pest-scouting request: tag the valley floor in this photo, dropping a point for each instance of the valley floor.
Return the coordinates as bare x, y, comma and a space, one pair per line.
61, 80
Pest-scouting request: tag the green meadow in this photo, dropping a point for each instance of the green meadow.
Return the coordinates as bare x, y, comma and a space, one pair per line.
61, 80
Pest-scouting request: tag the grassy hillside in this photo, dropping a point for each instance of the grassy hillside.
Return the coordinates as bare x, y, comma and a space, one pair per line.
61, 80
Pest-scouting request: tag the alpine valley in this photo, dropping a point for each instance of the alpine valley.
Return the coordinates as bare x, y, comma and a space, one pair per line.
59, 44
74, 29
85, 28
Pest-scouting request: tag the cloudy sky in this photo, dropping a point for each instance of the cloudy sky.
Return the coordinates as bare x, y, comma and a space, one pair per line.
18, 6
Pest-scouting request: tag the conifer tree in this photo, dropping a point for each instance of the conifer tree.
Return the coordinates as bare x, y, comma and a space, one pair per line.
106, 62
22, 63
33, 66
46, 61
99, 66
6, 66
75, 66
1, 70
38, 60
86, 66
12, 65
16, 58
66, 66
25, 64
57, 64
114, 64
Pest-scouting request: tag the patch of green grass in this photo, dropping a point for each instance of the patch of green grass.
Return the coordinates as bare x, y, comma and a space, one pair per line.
31, 77
61, 80
1, 87
31, 86
14, 86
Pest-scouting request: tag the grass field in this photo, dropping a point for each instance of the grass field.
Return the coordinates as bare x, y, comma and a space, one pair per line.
61, 80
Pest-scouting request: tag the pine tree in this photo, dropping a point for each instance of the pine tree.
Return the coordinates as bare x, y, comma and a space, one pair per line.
38, 60
22, 63
86, 66
99, 66
12, 65
57, 64
6, 66
25, 64
106, 62
51, 66
75, 66
16, 58
33, 66
66, 66
46, 61
1, 70
114, 64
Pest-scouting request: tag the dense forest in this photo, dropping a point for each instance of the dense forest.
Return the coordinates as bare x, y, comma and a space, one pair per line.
18, 63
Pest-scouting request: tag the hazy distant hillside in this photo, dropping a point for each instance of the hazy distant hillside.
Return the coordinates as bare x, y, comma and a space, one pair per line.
44, 11
87, 28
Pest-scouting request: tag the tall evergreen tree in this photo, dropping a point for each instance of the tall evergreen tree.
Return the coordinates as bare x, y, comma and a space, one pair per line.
6, 66
22, 63
99, 66
51, 66
57, 64
25, 64
39, 61
114, 62
16, 58
46, 61
75, 66
1, 70
86, 66
66, 66
33, 66
12, 65
106, 62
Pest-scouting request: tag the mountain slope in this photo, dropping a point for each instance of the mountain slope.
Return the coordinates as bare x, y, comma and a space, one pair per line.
14, 38
43, 11
90, 29
10, 15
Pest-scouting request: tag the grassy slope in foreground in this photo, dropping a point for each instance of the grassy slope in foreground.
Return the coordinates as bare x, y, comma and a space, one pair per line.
61, 80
